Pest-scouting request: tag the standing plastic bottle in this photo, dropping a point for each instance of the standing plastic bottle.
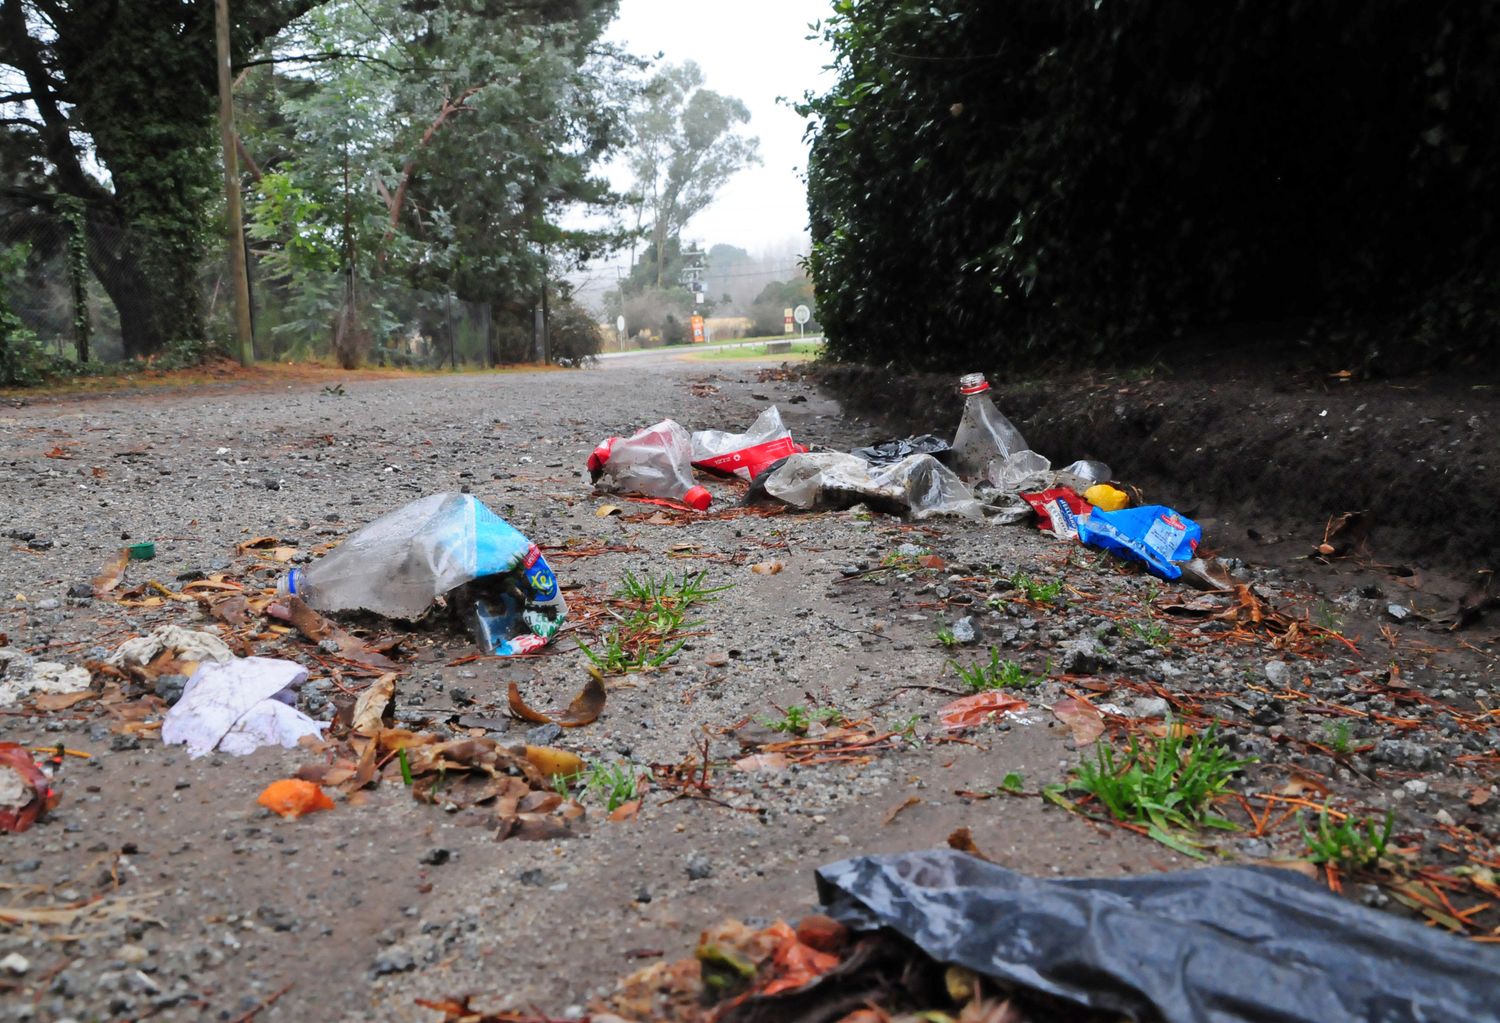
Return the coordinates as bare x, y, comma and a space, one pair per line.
983, 433
404, 560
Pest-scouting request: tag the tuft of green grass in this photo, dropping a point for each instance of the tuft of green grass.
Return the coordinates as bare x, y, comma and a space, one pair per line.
797, 719
656, 610
612, 783
1169, 785
1035, 590
946, 637
1153, 633
1348, 844
906, 728
1012, 782
997, 674
1337, 737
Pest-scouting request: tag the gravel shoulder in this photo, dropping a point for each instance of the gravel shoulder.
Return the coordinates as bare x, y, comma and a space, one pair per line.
210, 908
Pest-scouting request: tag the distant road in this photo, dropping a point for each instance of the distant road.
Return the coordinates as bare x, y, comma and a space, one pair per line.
676, 350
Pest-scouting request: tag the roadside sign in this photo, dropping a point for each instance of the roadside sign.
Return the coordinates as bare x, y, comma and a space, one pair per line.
802, 314
786, 319
697, 330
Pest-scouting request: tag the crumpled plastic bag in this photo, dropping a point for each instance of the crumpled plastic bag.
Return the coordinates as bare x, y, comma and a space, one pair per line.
1022, 470
888, 451
186, 645
918, 486
656, 462
23, 676
1152, 534
238, 706
747, 454
1219, 945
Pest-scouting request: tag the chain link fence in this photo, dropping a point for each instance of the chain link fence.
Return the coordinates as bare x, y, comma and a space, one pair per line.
69, 285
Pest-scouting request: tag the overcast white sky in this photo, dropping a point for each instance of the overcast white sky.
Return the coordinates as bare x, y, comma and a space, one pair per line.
756, 51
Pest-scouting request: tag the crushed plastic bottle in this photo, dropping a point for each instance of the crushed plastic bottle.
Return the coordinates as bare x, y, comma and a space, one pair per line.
918, 486
402, 562
983, 433
656, 462
747, 454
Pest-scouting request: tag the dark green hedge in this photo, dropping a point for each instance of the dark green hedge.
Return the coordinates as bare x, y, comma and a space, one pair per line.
1014, 183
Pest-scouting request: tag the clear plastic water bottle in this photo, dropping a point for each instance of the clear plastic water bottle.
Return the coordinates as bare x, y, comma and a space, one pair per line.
404, 560
983, 433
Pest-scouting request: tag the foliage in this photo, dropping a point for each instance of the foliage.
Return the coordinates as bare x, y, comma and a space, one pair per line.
127, 89
1168, 784
797, 719
23, 361
685, 148
612, 783
997, 674
770, 306
439, 161
647, 634
1007, 185
1035, 590
1348, 843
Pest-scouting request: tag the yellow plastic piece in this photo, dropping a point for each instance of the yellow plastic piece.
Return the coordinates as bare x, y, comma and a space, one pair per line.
1106, 498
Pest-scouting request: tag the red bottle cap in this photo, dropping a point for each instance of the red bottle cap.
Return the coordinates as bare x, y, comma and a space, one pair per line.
698, 498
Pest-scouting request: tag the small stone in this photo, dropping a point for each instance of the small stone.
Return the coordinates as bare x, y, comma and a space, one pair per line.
81, 591
121, 743
1084, 657
544, 735
964, 632
1278, 673
1444, 818
533, 878
169, 687
1151, 707
699, 867
132, 954
436, 857
273, 484
50, 604
1398, 612
1416, 787
15, 964
396, 959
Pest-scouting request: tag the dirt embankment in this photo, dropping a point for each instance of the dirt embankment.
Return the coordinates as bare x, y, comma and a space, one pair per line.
1267, 454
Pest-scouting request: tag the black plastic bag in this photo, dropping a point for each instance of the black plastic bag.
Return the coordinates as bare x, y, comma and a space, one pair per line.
889, 452
1201, 946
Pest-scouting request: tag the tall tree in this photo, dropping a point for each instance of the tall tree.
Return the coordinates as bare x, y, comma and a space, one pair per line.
127, 88
441, 156
686, 148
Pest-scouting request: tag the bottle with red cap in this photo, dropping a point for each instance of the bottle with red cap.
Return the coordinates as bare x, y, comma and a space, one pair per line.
983, 433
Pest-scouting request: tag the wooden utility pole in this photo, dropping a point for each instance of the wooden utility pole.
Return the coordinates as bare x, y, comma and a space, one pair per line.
232, 192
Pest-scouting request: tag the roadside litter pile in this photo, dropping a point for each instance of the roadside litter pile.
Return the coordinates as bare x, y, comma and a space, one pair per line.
946, 937
987, 474
1233, 723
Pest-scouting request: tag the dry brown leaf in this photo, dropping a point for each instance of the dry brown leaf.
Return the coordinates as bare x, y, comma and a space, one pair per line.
584, 710
1082, 718
370, 708
1479, 795
767, 568
554, 762
604, 511
114, 570
931, 561
963, 840
978, 709
769, 763
895, 811
62, 701
626, 811
519, 708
